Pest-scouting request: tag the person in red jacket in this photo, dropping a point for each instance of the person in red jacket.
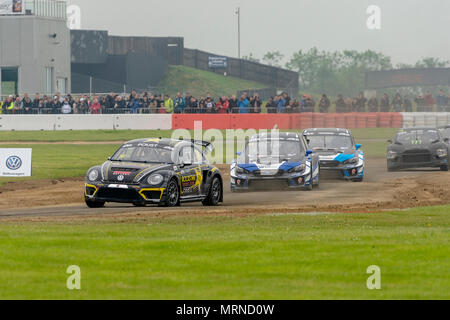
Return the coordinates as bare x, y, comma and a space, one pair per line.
223, 105
95, 107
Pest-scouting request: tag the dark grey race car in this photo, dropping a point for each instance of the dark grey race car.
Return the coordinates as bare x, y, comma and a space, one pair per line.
155, 171
418, 148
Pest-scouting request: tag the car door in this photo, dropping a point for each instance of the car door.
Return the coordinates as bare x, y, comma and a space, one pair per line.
191, 174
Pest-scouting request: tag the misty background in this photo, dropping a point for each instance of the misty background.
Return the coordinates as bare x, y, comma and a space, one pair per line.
410, 29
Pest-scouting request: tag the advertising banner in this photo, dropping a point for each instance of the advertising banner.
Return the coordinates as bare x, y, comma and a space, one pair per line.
15, 162
12, 7
218, 62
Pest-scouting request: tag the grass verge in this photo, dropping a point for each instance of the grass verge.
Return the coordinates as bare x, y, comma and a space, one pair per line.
323, 256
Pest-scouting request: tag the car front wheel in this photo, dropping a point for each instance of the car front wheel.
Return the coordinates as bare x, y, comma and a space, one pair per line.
172, 196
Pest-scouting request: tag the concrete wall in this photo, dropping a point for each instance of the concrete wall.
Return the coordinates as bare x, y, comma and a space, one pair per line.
25, 43
85, 122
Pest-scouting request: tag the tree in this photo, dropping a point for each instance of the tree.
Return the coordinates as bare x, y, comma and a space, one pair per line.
430, 62
251, 58
273, 58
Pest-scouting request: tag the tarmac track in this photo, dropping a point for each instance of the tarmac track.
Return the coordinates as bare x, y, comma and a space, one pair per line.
381, 190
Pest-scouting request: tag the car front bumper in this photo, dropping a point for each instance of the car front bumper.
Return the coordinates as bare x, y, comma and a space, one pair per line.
123, 193
349, 172
247, 182
399, 164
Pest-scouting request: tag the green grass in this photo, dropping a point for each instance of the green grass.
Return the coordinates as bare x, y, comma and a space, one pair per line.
266, 257
63, 161
126, 135
199, 82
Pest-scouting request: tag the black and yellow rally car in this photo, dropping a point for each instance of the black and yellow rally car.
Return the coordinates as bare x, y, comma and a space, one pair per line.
156, 171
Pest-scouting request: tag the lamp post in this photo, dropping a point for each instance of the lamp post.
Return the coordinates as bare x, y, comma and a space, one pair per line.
238, 12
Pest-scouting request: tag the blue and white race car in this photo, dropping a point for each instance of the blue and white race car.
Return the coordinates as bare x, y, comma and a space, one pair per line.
337, 152
275, 161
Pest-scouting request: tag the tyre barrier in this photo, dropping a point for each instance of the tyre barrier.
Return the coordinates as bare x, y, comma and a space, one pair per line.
425, 119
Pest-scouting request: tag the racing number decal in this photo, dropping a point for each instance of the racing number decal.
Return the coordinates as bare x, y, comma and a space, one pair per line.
192, 181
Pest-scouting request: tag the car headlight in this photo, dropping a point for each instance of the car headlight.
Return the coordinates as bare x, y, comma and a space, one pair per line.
352, 161
93, 175
299, 168
391, 155
240, 170
441, 153
155, 179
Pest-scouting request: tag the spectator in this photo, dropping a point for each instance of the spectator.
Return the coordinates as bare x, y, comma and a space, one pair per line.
429, 101
420, 101
222, 106
373, 103
441, 101
36, 102
55, 105
361, 103
407, 104
341, 106
234, 104
348, 104
255, 104
324, 104
187, 100
243, 104
95, 107
17, 105
66, 108
355, 105
180, 104
168, 104
271, 106
8, 105
281, 105
27, 104
202, 105
193, 105
385, 105
210, 104
397, 103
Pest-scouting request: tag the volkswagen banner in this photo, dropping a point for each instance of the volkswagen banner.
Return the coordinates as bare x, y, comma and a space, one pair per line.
15, 162
12, 6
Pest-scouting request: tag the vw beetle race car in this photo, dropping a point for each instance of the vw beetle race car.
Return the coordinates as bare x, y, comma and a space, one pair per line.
418, 148
274, 161
337, 152
155, 171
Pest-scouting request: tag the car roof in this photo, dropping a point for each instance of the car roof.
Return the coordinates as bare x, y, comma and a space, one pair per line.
279, 135
326, 130
417, 128
163, 142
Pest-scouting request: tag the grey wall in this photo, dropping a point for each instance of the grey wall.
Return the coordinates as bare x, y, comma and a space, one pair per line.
25, 43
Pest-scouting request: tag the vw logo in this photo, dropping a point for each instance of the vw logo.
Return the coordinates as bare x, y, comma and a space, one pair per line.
120, 178
13, 163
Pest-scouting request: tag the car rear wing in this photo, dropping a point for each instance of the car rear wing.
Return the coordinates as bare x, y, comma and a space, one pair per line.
207, 146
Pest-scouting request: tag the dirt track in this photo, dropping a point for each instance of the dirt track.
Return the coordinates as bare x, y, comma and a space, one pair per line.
62, 199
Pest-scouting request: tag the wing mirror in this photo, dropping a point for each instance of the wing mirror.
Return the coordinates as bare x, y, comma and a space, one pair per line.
239, 154
390, 141
309, 152
358, 146
446, 140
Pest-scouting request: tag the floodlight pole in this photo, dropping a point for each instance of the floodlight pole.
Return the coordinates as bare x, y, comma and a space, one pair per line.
238, 12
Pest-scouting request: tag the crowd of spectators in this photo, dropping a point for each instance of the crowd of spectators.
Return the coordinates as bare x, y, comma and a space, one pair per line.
147, 103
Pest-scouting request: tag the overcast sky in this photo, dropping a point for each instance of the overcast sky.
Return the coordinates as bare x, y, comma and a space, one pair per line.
410, 29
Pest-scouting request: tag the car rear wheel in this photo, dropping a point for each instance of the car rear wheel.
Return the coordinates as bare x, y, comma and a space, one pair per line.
444, 167
94, 204
173, 195
215, 193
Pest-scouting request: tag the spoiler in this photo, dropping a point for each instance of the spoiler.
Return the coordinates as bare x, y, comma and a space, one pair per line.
208, 146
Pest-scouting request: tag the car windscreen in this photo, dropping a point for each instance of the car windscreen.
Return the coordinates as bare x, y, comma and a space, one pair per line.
326, 142
272, 151
422, 136
144, 154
